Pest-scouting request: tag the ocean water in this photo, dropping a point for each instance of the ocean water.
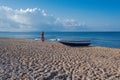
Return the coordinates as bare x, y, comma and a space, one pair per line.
105, 39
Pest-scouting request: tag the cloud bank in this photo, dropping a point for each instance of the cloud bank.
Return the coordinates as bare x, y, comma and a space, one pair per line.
34, 19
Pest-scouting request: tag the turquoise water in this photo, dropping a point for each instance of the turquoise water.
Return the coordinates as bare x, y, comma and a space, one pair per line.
106, 39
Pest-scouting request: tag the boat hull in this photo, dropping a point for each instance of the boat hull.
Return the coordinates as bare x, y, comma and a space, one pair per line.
75, 43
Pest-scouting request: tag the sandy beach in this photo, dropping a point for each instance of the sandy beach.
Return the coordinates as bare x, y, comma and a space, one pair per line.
35, 60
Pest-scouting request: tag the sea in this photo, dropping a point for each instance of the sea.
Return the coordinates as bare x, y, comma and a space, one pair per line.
104, 39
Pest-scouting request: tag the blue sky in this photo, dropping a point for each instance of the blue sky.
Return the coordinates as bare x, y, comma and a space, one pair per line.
60, 15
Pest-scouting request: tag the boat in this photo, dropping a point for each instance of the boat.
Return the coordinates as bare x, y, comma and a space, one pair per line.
75, 43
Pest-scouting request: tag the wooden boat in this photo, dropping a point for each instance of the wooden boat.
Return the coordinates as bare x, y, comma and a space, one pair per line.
75, 43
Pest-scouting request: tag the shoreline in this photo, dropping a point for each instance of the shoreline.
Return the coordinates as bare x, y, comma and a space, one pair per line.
31, 59
55, 42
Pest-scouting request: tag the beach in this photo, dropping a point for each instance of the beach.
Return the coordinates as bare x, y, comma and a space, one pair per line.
22, 59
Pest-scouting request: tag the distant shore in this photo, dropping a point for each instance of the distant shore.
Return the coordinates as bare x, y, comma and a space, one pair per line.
33, 59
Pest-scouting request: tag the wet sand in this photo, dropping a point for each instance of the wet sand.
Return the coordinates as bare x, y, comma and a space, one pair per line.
35, 60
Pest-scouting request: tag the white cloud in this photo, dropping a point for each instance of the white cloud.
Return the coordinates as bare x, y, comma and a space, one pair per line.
28, 10
69, 22
34, 19
43, 12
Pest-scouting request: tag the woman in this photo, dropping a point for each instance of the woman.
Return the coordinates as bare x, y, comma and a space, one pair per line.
42, 37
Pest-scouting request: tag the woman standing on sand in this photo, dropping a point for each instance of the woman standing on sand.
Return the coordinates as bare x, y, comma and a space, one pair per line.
42, 37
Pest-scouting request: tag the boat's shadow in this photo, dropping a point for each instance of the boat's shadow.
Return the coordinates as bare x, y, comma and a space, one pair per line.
77, 45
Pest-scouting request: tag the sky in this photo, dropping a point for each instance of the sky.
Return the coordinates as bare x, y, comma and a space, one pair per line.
59, 15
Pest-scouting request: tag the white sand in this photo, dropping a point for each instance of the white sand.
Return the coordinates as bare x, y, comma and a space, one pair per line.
35, 60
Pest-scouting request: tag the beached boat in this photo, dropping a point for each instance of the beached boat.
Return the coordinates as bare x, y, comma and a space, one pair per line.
76, 43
